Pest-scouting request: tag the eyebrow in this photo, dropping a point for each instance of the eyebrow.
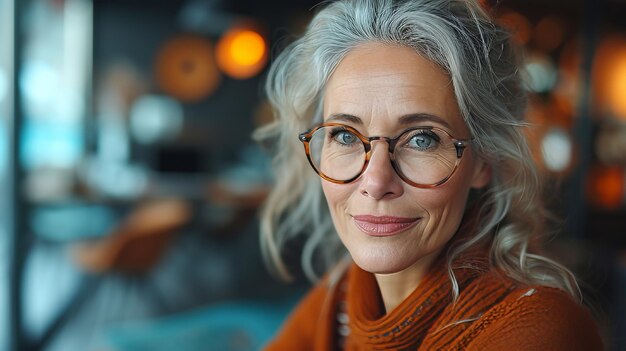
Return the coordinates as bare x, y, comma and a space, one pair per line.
405, 120
421, 117
344, 117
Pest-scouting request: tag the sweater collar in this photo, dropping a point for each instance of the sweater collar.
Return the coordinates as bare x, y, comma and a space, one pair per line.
406, 325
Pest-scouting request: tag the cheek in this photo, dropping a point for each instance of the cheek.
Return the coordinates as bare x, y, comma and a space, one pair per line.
448, 195
337, 196
445, 205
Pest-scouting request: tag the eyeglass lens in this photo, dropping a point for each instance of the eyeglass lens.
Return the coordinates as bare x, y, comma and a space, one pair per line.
423, 156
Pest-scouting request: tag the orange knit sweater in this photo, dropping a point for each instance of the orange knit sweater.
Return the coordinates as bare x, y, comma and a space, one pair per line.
491, 313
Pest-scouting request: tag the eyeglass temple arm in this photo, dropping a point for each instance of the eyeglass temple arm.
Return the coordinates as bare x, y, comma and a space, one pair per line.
460, 146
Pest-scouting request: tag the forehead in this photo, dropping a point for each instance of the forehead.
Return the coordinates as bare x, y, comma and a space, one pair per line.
381, 83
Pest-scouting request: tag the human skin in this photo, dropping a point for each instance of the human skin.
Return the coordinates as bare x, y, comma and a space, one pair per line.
378, 84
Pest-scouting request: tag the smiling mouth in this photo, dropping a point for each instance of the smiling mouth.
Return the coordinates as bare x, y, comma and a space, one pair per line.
383, 226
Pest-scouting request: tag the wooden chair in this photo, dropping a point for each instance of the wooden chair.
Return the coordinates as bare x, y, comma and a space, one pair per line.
139, 242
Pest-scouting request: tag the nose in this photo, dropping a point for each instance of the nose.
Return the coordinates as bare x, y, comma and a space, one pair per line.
380, 180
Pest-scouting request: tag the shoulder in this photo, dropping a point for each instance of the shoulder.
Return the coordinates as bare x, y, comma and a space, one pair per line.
536, 318
301, 327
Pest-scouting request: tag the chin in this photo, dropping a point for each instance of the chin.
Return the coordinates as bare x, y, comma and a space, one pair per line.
380, 262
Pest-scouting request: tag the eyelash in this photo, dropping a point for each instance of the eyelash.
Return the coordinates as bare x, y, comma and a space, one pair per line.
426, 132
335, 131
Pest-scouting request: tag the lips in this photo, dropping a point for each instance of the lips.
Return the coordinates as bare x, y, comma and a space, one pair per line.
383, 225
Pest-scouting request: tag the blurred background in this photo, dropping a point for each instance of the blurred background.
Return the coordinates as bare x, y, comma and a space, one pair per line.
131, 184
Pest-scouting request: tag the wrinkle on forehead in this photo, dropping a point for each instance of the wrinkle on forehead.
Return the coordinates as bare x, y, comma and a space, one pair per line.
380, 83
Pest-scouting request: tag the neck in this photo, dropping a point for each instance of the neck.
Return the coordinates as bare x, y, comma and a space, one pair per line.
395, 287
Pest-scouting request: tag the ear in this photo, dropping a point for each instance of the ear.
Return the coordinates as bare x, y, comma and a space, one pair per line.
482, 174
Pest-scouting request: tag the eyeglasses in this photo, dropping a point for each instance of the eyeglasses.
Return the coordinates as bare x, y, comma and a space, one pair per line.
424, 157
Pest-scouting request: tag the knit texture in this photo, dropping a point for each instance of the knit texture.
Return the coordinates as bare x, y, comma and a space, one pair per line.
492, 313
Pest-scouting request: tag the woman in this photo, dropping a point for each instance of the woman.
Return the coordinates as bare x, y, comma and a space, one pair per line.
410, 114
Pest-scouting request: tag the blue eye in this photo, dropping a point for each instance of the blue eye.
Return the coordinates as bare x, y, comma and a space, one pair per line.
344, 137
423, 140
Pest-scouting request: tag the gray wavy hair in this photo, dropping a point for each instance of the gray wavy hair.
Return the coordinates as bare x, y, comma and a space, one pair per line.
477, 54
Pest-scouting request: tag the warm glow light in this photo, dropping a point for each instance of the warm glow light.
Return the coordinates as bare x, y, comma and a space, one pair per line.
617, 86
610, 77
549, 33
485, 4
247, 48
567, 91
605, 187
241, 53
186, 69
518, 25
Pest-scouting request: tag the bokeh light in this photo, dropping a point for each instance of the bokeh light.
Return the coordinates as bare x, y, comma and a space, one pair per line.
557, 150
568, 88
39, 82
617, 86
610, 77
549, 33
605, 187
542, 73
518, 25
155, 118
610, 143
186, 69
241, 53
247, 48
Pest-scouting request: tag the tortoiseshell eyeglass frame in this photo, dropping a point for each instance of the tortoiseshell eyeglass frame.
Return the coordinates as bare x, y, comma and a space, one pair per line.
459, 144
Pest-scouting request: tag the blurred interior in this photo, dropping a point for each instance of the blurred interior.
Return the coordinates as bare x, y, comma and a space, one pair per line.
132, 185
